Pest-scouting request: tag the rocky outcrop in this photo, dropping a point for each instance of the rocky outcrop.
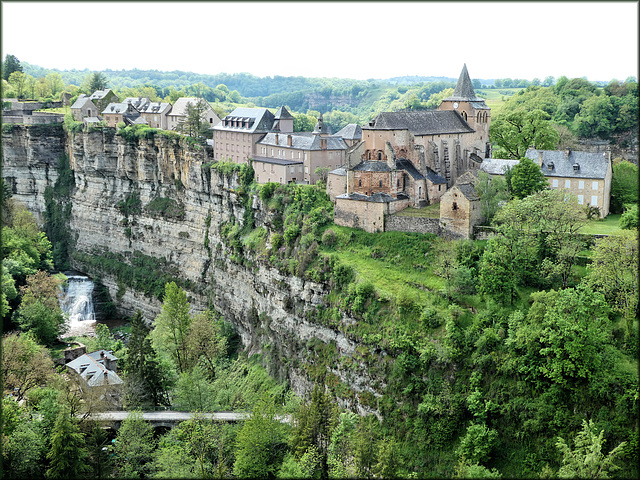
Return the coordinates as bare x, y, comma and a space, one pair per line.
117, 183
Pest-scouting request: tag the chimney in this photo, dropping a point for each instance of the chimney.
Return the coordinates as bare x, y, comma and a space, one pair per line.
323, 143
277, 139
289, 140
567, 152
539, 159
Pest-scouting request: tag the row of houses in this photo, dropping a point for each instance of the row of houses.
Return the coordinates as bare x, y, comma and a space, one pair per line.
105, 106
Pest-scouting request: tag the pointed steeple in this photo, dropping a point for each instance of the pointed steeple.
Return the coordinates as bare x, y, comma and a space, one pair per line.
464, 88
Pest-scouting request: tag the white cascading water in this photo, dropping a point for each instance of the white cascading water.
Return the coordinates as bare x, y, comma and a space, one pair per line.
76, 302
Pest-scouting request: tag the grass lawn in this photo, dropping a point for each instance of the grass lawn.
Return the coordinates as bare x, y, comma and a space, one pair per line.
432, 211
606, 226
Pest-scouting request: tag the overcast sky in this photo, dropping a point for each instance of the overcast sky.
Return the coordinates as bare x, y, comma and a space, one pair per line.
360, 40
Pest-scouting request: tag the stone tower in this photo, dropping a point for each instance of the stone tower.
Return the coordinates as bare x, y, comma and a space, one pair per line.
471, 107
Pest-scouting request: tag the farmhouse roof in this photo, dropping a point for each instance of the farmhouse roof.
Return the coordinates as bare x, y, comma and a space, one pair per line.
92, 369
497, 166
302, 141
405, 164
352, 131
81, 101
258, 120
434, 178
120, 108
432, 122
100, 94
468, 190
562, 163
180, 107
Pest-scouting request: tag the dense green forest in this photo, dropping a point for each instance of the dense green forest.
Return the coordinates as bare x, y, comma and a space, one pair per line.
512, 357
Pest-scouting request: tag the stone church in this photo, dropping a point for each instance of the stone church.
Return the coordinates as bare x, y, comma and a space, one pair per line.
418, 154
411, 158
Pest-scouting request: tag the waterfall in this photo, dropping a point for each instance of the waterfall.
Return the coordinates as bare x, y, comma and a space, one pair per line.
77, 304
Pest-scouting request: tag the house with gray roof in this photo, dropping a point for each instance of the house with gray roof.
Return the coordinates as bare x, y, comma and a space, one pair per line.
460, 208
236, 135
102, 98
96, 369
178, 112
120, 112
586, 175
155, 114
351, 134
83, 108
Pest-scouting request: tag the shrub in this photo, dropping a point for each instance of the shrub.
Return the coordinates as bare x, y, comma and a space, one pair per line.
629, 219
329, 238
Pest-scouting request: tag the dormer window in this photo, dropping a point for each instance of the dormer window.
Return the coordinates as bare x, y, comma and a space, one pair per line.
576, 167
550, 165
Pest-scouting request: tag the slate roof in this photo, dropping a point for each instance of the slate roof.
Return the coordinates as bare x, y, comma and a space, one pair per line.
468, 191
100, 94
180, 107
467, 177
137, 102
81, 101
409, 167
422, 122
464, 88
91, 368
434, 178
120, 108
283, 114
589, 165
260, 120
302, 141
353, 131
497, 166
341, 171
277, 161
91, 120
372, 166
155, 107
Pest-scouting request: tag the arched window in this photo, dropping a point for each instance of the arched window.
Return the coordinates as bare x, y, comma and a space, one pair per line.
464, 115
359, 183
368, 154
379, 155
455, 206
380, 183
479, 117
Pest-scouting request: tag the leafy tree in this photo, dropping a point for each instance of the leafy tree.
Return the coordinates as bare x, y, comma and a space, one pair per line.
477, 443
8, 292
629, 219
99, 457
596, 117
172, 326
25, 363
493, 193
39, 312
587, 460
67, 456
23, 450
303, 122
134, 446
95, 81
11, 64
624, 185
466, 470
614, 271
515, 132
527, 178
55, 83
18, 82
313, 426
205, 342
194, 123
260, 445
145, 381
340, 448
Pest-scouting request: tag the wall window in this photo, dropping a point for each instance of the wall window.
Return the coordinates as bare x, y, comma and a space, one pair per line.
581, 184
580, 199
594, 200
380, 183
555, 183
567, 184
455, 206
359, 183
594, 185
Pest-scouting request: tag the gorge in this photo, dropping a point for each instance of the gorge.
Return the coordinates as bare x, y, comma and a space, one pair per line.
155, 203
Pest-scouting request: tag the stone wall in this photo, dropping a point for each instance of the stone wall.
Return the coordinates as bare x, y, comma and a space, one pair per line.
399, 223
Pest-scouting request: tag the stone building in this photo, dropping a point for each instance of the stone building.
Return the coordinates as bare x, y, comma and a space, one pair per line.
586, 175
102, 98
460, 210
120, 112
156, 114
84, 108
179, 112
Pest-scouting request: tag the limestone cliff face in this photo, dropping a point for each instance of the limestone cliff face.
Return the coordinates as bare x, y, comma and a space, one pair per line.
30, 160
269, 309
